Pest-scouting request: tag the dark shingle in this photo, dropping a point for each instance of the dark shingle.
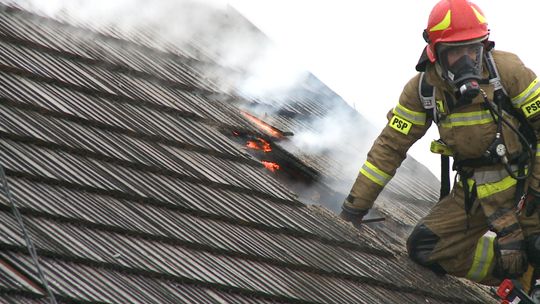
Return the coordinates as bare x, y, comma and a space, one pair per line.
117, 158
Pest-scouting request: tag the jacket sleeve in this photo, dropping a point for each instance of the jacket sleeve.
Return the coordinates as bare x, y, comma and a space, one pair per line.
407, 122
523, 87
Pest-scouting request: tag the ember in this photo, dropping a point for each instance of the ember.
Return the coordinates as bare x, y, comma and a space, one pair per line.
259, 144
270, 165
263, 126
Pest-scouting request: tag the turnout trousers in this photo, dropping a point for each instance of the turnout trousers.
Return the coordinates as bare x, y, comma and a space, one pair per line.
449, 241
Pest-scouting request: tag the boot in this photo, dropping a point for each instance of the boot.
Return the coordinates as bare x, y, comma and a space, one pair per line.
534, 290
535, 293
530, 283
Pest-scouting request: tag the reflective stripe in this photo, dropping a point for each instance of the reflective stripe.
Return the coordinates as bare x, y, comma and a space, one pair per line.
494, 181
483, 256
488, 189
444, 24
537, 150
479, 16
375, 174
467, 119
417, 118
492, 176
531, 91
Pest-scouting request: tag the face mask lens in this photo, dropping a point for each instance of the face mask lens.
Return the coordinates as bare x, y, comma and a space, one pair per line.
461, 62
454, 54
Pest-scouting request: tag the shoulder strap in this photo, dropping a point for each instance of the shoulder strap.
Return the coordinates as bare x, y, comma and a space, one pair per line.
427, 95
494, 74
500, 93
525, 127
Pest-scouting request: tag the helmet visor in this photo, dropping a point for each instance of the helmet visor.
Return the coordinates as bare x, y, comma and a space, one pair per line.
461, 61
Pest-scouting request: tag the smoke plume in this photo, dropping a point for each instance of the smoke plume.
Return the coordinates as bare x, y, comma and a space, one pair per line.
248, 64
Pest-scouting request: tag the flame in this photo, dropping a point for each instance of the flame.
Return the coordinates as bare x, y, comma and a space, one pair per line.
270, 165
268, 129
253, 145
260, 144
265, 145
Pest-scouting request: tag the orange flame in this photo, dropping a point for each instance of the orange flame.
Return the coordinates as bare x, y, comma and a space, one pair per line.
265, 145
268, 129
253, 145
260, 144
270, 165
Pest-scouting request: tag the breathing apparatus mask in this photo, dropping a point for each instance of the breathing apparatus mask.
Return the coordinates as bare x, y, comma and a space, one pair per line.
461, 65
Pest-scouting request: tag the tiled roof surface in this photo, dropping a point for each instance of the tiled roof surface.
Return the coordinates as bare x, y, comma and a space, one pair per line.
116, 155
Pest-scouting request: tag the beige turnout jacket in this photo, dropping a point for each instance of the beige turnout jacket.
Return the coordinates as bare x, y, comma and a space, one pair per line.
468, 130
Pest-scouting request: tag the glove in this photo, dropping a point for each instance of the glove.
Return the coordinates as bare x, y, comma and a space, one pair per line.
511, 258
353, 216
531, 202
509, 247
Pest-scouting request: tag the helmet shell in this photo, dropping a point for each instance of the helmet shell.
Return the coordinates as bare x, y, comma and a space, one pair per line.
454, 21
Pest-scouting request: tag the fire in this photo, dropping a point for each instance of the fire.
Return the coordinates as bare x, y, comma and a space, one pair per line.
263, 125
259, 144
270, 165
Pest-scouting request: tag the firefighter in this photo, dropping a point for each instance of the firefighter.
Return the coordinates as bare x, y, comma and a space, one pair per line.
482, 101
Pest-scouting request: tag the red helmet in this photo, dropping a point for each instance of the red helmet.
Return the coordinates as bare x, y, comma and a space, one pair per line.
454, 21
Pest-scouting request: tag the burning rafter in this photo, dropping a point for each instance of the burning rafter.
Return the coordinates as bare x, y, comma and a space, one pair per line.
259, 144
270, 165
268, 129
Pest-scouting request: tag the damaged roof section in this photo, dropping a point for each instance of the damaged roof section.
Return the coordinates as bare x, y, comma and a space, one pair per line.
331, 138
120, 159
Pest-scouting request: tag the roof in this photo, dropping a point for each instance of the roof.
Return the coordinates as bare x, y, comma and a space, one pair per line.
118, 155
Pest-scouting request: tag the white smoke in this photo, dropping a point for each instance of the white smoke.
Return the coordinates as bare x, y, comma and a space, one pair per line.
272, 74
210, 29
342, 136
333, 130
166, 22
125, 14
255, 67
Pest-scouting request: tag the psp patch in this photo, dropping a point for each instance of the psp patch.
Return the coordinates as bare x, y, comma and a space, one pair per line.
399, 124
531, 108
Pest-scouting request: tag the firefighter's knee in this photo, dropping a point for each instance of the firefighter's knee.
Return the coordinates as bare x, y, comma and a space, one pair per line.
533, 249
420, 245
